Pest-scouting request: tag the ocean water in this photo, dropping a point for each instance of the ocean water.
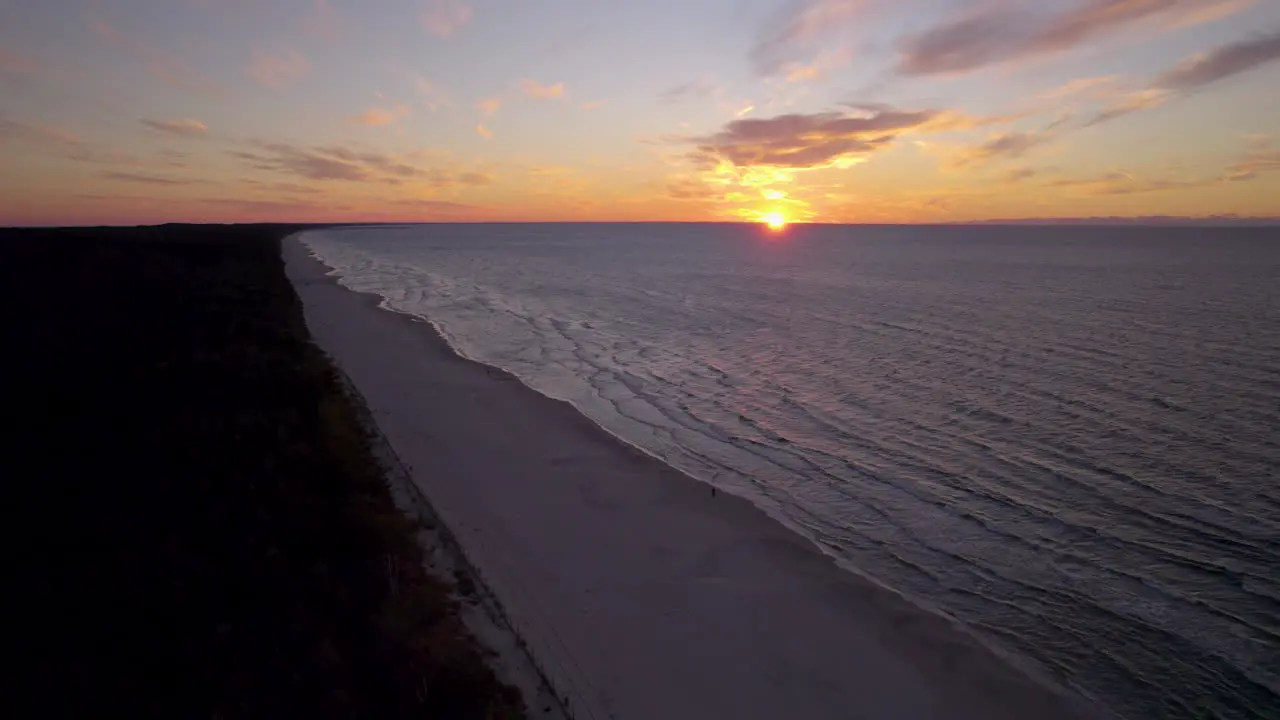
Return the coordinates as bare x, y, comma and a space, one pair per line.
1067, 439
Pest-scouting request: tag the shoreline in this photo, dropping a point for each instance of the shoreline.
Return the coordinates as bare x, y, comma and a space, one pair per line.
1019, 664
837, 644
445, 558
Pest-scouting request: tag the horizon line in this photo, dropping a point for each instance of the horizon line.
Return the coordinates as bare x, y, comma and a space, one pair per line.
1113, 221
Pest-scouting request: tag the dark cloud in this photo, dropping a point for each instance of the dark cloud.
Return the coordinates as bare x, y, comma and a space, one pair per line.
802, 141
1001, 34
1222, 62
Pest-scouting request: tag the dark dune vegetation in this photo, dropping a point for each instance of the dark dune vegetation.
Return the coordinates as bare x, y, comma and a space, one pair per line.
205, 532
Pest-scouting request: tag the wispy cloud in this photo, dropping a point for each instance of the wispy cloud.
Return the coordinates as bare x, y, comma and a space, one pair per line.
538, 91
1255, 164
15, 67
44, 134
443, 18
172, 158
994, 33
1005, 146
295, 208
144, 179
484, 132
323, 21
798, 30
60, 142
688, 188
277, 70
1261, 157
378, 116
433, 96
184, 127
1132, 102
304, 162
339, 162
1087, 87
1195, 73
1017, 175
1222, 62
164, 66
694, 89
818, 68
284, 187
489, 106
1121, 182
592, 104
438, 205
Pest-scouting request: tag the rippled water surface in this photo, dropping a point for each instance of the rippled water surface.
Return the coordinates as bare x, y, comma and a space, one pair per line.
1066, 438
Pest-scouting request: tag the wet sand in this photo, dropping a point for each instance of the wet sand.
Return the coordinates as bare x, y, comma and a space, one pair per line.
640, 593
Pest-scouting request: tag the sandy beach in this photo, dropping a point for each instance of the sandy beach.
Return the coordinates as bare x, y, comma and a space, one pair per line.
640, 593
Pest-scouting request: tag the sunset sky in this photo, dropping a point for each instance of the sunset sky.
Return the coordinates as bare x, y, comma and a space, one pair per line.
130, 111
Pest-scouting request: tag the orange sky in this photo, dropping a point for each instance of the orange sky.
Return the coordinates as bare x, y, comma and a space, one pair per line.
825, 110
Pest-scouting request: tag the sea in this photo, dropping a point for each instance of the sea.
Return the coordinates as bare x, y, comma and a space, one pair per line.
1066, 439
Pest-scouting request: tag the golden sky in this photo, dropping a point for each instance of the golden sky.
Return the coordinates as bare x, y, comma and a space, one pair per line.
139, 111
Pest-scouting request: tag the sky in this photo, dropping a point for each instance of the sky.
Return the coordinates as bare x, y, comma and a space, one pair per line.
913, 111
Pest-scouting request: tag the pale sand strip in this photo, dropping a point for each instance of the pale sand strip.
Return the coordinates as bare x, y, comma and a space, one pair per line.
640, 594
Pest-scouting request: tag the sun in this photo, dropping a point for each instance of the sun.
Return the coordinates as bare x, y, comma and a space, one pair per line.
774, 220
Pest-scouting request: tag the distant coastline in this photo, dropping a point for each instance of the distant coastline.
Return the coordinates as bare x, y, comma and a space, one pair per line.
1146, 220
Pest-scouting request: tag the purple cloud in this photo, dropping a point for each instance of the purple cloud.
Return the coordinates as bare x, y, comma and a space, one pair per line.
803, 141
1222, 62
996, 35
1196, 72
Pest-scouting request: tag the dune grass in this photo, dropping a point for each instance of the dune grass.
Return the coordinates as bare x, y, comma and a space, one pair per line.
210, 533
